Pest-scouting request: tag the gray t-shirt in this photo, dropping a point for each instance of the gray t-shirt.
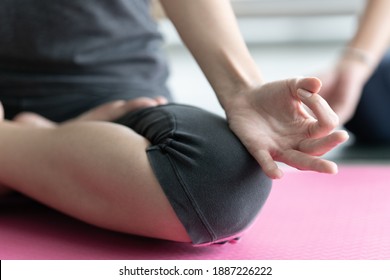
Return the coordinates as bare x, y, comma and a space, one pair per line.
48, 46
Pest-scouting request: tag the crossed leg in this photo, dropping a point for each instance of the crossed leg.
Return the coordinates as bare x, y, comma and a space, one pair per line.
92, 170
105, 112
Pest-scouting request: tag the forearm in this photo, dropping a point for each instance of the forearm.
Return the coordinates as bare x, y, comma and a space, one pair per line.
210, 31
373, 33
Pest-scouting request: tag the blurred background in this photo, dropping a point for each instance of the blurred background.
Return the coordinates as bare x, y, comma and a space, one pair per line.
287, 38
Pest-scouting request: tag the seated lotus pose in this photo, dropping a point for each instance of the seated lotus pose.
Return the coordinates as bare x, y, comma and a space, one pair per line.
90, 129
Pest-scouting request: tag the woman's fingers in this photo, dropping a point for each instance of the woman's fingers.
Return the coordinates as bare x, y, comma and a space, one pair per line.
267, 164
304, 161
310, 84
142, 102
320, 146
327, 120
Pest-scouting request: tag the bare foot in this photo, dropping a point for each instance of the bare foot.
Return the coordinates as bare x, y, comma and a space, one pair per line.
33, 119
113, 110
106, 112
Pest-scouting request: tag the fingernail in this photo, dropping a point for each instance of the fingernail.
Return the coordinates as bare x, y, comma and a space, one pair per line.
304, 93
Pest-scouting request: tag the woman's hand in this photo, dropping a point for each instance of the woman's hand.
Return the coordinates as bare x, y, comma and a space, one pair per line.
273, 124
342, 87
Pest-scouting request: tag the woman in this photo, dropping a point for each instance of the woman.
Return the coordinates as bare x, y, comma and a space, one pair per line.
142, 166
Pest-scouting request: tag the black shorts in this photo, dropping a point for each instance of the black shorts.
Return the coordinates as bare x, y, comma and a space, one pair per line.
214, 185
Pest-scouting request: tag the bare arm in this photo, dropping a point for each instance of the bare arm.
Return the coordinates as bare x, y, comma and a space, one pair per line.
343, 85
210, 31
373, 33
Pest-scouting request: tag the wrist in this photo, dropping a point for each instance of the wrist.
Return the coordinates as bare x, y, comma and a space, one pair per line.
232, 74
360, 62
356, 66
235, 94
359, 55
237, 80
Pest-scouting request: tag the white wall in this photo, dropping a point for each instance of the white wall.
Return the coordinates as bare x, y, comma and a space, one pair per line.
280, 21
296, 7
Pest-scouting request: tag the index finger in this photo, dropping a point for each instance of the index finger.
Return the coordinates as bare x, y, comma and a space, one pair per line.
327, 119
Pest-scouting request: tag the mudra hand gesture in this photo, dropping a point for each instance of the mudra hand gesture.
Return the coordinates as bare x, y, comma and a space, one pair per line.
274, 125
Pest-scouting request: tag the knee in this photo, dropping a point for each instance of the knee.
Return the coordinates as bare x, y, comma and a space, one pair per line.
214, 185
232, 201
225, 186
230, 186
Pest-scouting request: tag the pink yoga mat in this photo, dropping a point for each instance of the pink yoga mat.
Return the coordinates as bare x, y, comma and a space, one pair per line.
307, 216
